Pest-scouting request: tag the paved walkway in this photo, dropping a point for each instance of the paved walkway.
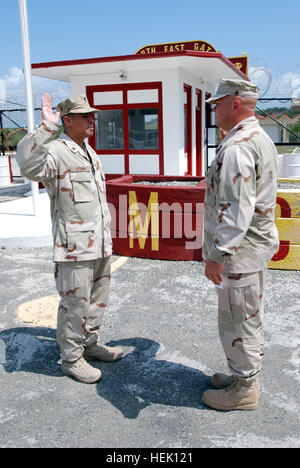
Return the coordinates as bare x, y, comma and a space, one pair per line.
164, 315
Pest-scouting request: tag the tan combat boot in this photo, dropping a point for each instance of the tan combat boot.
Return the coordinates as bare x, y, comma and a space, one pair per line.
220, 380
240, 395
103, 353
81, 371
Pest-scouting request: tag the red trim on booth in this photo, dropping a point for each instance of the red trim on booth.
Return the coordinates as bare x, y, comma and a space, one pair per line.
10, 169
90, 90
187, 210
126, 131
198, 124
188, 128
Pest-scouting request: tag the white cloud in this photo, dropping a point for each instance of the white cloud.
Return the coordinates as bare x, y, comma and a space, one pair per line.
275, 83
12, 88
2, 90
15, 78
290, 83
262, 77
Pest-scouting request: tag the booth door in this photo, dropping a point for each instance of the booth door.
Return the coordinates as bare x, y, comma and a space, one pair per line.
198, 123
188, 130
128, 130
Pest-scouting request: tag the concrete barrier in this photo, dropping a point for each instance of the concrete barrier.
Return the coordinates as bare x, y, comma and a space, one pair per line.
5, 170
287, 219
162, 217
157, 216
291, 165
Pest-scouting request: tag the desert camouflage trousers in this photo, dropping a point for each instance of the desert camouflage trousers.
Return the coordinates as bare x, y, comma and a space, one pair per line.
84, 288
240, 320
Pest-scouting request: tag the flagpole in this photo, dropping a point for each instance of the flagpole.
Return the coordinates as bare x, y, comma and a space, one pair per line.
28, 87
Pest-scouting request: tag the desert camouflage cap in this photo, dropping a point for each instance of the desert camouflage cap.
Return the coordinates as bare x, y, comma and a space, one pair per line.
75, 105
235, 88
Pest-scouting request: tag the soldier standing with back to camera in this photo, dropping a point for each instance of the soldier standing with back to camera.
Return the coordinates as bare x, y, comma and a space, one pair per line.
240, 238
72, 175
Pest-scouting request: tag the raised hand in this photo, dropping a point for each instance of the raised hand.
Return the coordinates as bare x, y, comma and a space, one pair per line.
47, 112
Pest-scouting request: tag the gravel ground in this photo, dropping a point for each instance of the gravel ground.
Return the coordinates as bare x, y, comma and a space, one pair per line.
289, 185
164, 315
13, 192
173, 183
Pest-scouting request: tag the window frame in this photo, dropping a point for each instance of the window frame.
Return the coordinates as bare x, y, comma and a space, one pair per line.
131, 129
188, 148
198, 123
97, 130
90, 90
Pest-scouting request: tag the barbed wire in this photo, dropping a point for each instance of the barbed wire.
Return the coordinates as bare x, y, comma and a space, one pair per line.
281, 81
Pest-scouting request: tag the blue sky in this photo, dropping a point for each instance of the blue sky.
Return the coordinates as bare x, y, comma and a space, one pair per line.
268, 31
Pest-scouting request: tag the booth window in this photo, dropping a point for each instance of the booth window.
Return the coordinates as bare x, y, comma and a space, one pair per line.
129, 127
109, 132
143, 128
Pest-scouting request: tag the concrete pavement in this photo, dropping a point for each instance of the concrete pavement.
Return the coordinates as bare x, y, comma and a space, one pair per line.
164, 315
19, 226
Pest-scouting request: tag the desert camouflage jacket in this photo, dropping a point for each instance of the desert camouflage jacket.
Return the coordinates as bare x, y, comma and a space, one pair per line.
240, 200
75, 183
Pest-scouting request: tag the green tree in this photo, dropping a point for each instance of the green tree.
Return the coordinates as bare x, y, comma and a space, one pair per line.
296, 131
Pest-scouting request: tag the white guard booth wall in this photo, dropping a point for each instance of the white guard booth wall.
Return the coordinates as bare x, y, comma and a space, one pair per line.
153, 106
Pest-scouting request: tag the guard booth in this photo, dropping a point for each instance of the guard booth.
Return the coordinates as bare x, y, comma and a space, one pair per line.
153, 118
155, 137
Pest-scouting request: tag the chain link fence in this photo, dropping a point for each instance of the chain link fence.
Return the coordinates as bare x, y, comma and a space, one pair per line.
13, 126
279, 117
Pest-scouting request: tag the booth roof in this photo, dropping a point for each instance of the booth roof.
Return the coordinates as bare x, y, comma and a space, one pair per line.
209, 66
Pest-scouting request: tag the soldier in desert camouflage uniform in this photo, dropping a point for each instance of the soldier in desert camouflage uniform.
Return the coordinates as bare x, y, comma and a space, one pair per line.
240, 238
71, 172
